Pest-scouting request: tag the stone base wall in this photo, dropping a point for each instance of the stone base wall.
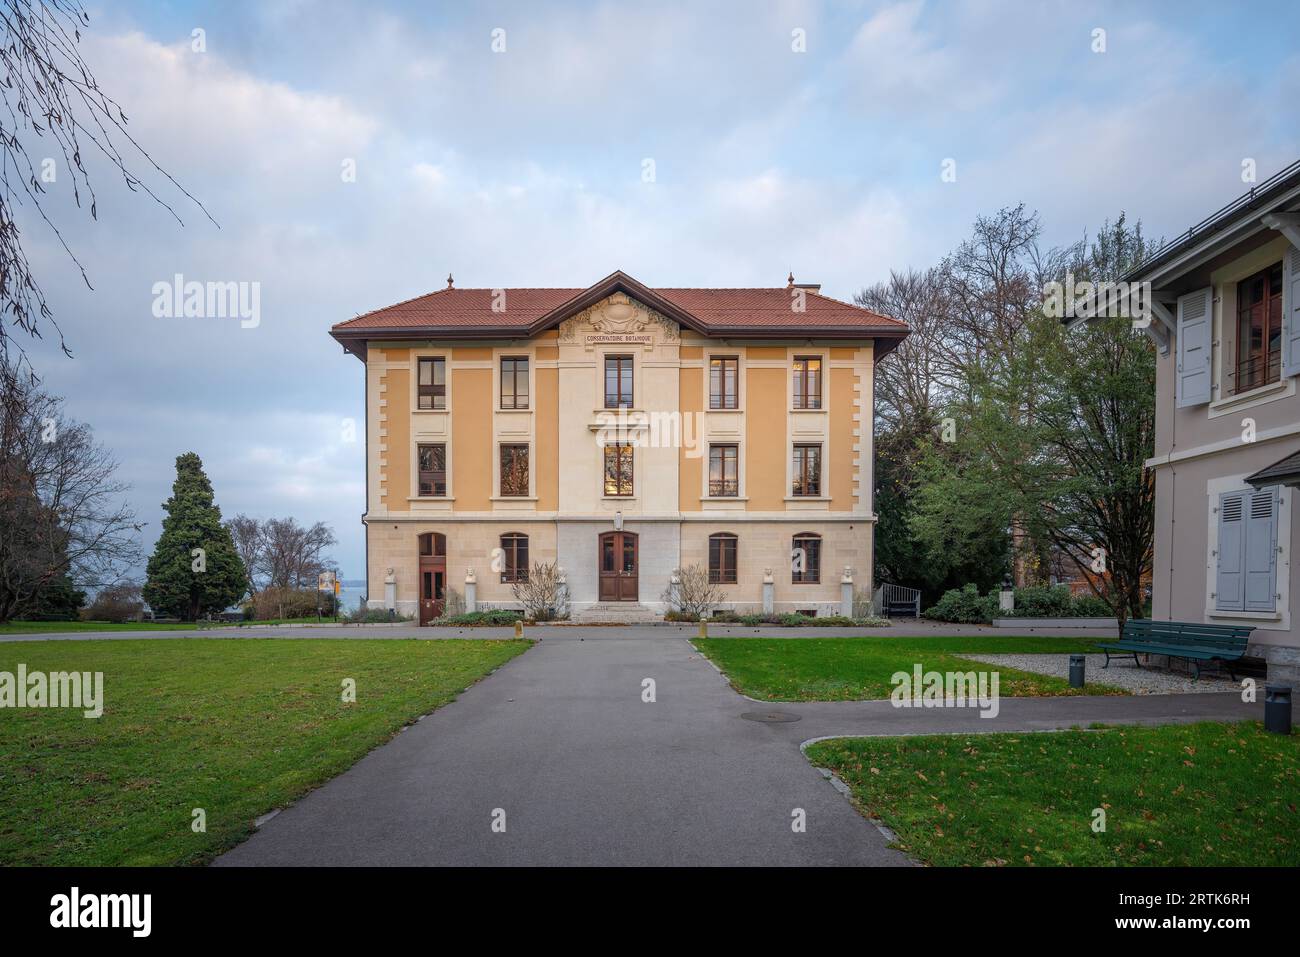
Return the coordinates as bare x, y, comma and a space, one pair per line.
663, 547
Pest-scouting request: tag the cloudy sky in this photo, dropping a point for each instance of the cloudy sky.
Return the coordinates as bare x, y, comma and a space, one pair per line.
525, 167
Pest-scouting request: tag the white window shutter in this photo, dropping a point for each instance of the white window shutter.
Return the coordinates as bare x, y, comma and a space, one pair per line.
1229, 590
1291, 312
1195, 312
1261, 550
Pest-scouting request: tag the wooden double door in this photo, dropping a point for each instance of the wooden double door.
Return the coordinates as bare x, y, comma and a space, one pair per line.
433, 576
617, 560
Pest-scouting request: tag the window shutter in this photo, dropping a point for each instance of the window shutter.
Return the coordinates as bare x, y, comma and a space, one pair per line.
1195, 311
1291, 312
1229, 587
1261, 550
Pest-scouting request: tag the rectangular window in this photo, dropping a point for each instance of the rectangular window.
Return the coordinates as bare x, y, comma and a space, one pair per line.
806, 560
724, 474
807, 470
514, 470
515, 556
722, 559
618, 381
1259, 329
431, 389
807, 382
618, 470
514, 382
723, 383
432, 463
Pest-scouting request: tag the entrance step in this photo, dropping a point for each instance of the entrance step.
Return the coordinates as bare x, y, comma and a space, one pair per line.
620, 612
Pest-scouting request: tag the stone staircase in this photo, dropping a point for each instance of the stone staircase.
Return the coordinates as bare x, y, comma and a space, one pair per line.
618, 612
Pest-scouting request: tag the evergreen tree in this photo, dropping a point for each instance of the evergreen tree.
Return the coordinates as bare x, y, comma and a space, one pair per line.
181, 581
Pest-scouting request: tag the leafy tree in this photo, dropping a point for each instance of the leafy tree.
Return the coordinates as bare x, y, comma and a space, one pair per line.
194, 569
62, 518
60, 600
1051, 440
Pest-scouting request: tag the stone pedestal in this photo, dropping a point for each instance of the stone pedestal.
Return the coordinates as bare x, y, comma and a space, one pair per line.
390, 591
769, 592
471, 592
846, 593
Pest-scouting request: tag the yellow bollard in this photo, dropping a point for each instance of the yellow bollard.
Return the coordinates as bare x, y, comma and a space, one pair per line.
519, 629
704, 628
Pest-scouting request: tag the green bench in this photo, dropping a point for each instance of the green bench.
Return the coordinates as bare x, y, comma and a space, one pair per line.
1182, 639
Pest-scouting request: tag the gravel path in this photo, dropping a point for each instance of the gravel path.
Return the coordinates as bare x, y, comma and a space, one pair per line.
1121, 674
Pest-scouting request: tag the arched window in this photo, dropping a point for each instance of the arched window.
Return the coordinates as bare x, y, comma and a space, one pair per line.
515, 565
433, 544
722, 558
806, 559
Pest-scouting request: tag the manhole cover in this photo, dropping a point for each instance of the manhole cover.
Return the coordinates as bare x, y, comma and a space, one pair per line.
770, 717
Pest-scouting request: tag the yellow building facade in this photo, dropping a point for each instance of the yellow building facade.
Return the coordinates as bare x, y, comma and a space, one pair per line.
623, 433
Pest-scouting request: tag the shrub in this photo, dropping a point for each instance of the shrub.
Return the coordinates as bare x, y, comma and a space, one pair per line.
495, 616
674, 615
962, 605
374, 616
544, 594
966, 606
694, 594
1041, 601
117, 603
291, 603
1090, 606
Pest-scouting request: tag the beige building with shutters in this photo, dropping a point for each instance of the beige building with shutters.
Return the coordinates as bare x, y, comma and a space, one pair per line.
623, 433
1227, 457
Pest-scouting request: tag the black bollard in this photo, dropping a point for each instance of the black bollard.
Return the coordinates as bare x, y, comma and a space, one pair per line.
1277, 708
1076, 670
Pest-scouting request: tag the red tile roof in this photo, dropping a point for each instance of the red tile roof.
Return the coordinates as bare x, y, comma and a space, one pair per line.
768, 312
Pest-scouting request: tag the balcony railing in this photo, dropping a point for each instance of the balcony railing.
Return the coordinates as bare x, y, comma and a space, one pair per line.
1257, 371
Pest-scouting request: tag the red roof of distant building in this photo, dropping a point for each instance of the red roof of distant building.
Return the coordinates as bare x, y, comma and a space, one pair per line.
491, 313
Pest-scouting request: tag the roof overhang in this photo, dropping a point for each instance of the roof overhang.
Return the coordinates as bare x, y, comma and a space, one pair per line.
354, 340
1284, 472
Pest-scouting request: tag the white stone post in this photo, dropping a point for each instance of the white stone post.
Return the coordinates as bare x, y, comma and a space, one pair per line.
846, 593
471, 592
390, 591
1007, 596
674, 589
769, 592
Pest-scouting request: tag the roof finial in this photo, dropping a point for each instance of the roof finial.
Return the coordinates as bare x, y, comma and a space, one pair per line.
449, 280
789, 280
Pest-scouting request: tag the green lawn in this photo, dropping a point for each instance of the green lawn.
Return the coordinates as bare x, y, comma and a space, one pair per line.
1178, 795
851, 669
235, 726
56, 627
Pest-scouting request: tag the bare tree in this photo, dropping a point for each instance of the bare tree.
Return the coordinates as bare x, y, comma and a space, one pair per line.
48, 90
543, 592
61, 509
920, 375
246, 533
280, 554
693, 594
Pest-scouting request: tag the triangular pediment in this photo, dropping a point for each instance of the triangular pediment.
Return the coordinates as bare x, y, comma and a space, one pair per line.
619, 299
